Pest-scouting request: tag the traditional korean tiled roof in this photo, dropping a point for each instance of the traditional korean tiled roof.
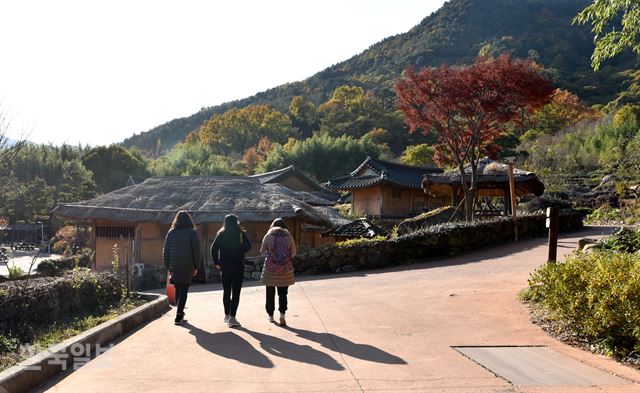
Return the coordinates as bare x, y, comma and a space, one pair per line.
355, 229
374, 171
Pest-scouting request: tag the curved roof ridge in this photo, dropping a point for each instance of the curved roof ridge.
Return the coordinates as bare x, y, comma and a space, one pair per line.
276, 171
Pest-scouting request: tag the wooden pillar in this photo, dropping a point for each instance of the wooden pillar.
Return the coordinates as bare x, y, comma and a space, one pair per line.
94, 227
137, 236
297, 231
552, 217
507, 201
512, 191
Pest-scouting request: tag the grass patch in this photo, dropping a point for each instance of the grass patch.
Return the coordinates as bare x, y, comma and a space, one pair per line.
360, 240
13, 352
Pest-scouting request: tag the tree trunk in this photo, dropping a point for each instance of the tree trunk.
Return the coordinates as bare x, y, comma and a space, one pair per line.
468, 195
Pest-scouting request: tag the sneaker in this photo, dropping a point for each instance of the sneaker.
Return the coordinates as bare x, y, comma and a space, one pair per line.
179, 321
283, 322
226, 318
233, 322
271, 319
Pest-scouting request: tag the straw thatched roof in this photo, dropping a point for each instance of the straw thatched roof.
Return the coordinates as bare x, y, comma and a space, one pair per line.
493, 178
281, 175
207, 198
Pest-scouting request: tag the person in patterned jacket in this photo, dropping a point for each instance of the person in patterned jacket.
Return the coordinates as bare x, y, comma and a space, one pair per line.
278, 248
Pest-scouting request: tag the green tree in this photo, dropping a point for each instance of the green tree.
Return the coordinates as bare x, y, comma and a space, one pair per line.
238, 129
350, 112
418, 155
630, 164
321, 156
27, 202
77, 182
192, 159
616, 24
304, 116
112, 166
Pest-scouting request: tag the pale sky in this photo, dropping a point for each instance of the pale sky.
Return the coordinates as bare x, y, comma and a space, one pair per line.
96, 72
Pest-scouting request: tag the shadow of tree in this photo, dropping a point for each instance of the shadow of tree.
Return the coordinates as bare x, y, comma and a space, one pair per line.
229, 345
299, 353
337, 343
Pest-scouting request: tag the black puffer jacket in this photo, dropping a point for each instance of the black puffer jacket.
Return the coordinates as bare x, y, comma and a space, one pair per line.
228, 249
181, 254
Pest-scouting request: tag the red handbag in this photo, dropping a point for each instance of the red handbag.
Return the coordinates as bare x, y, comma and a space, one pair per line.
171, 290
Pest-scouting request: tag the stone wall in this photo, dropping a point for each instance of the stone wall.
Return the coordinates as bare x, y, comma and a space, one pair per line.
434, 241
45, 300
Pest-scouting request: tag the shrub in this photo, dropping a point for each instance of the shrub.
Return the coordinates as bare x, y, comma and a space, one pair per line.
59, 247
24, 308
8, 343
56, 267
67, 238
625, 240
597, 294
15, 272
604, 213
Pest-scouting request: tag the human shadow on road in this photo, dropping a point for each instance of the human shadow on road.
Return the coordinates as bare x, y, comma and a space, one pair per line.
229, 345
342, 345
299, 353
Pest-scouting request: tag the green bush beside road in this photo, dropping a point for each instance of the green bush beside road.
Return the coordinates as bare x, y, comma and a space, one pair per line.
596, 294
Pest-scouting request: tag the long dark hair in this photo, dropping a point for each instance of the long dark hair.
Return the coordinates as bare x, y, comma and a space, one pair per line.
182, 220
231, 224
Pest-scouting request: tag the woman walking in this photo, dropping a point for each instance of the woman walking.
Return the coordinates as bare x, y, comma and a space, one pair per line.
181, 254
278, 248
227, 253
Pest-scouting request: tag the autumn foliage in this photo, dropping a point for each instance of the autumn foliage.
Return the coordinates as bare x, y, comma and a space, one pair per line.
467, 107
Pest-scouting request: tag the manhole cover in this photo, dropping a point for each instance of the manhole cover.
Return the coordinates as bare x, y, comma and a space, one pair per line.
536, 365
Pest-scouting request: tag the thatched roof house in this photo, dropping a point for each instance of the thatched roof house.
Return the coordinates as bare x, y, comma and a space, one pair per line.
143, 213
492, 181
295, 180
207, 198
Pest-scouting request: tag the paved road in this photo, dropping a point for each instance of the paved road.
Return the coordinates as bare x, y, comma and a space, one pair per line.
379, 331
24, 259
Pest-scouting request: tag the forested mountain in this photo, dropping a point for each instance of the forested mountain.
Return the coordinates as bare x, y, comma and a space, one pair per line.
455, 34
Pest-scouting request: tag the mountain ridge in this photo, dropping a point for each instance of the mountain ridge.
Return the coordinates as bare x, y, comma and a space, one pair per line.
454, 34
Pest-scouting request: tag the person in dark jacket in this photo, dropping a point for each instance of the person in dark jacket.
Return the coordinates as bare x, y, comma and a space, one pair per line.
227, 253
181, 254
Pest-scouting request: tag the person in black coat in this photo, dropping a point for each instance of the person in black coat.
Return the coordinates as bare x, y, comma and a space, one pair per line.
181, 254
227, 253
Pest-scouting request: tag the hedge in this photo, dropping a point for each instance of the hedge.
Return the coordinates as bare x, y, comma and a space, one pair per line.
433, 241
56, 267
40, 301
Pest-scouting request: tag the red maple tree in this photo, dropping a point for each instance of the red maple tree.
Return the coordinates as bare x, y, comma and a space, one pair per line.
467, 107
